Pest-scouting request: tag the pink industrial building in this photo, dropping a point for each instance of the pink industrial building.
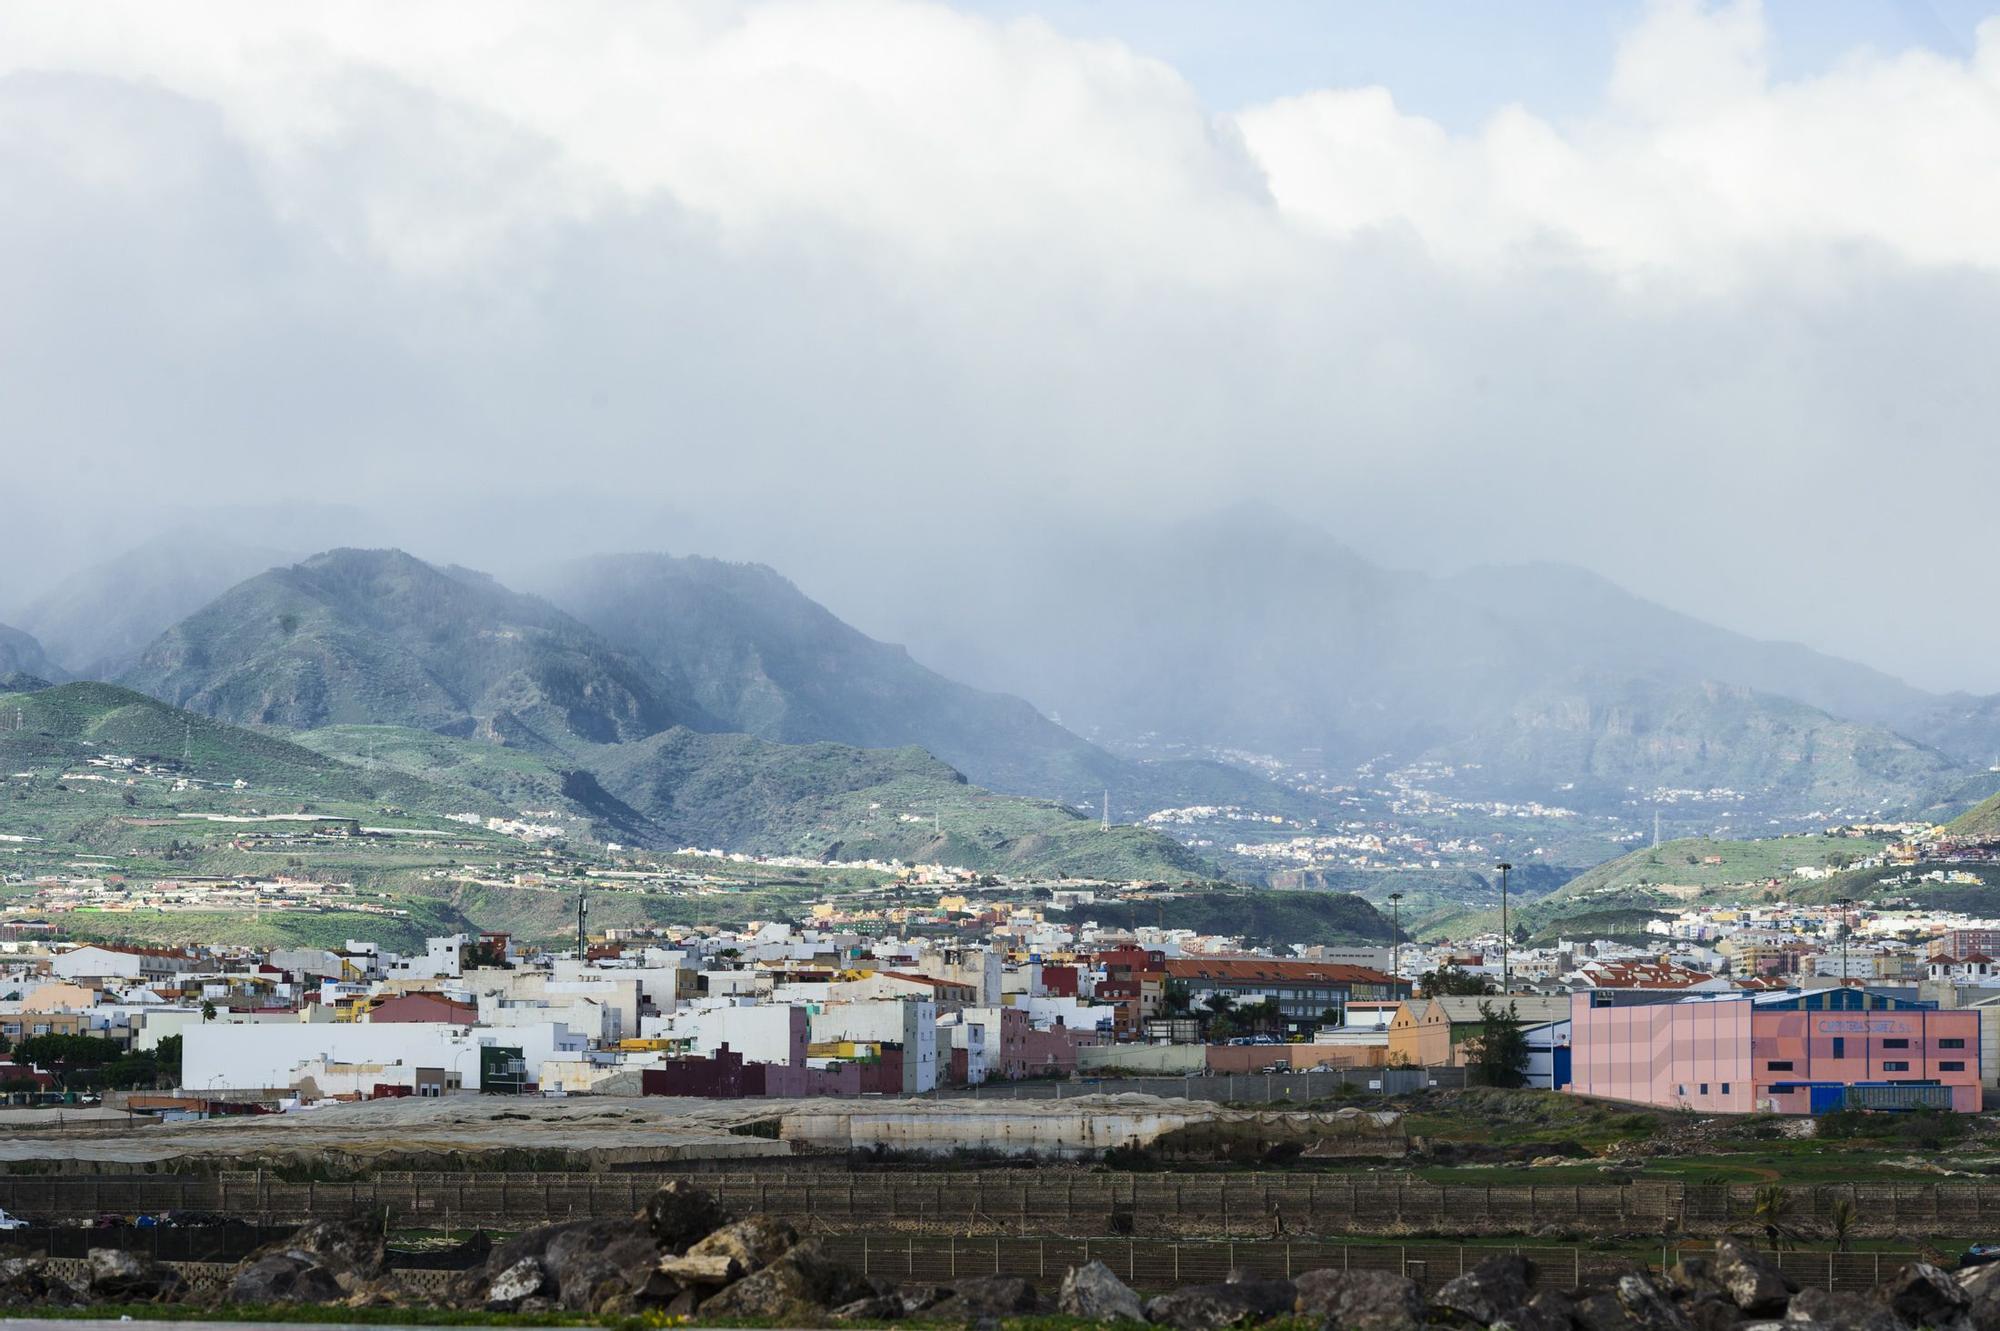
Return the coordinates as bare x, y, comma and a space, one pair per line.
1789, 1052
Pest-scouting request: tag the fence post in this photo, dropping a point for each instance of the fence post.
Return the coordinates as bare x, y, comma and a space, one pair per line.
951, 1249
865, 1269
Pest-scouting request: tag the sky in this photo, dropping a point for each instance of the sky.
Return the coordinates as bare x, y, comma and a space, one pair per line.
1698, 296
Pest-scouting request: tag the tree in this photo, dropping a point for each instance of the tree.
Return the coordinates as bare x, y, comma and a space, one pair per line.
67, 1051
1178, 1000
1843, 1219
1772, 1207
1221, 1015
167, 1053
1498, 1055
1267, 1016
207, 1009
1449, 980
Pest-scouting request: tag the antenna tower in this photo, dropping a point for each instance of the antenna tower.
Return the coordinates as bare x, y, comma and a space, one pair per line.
1104, 812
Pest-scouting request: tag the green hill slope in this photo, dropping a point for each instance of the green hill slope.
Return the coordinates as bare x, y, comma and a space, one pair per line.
377, 636
835, 802
58, 729
1978, 824
1261, 917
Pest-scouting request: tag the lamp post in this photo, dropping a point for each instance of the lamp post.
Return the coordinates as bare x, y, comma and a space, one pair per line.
1395, 939
1506, 978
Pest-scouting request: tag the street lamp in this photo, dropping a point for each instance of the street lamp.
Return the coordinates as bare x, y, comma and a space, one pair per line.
1395, 940
1506, 977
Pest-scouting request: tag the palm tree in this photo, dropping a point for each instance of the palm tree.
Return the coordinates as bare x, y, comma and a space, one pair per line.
1842, 1218
1772, 1209
208, 1009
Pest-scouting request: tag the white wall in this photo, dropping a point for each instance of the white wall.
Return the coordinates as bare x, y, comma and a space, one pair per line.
910, 1023
761, 1033
233, 1057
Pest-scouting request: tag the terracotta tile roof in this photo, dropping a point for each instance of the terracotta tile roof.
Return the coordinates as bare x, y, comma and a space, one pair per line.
1265, 970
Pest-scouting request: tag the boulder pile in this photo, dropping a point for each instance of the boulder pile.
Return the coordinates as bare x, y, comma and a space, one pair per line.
682, 1258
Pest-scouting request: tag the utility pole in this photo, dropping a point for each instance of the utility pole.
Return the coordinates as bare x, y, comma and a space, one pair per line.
1506, 977
1846, 904
1104, 812
582, 910
1395, 939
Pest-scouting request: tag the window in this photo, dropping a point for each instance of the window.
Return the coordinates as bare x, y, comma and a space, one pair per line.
1952, 1066
1951, 1044
1778, 1065
1895, 1044
1725, 1088
1840, 1046
1896, 1065
1704, 1088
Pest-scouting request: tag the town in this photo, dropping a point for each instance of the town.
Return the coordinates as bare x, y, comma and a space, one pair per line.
984, 983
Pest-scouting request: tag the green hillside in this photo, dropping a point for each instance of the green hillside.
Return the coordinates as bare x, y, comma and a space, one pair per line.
1708, 863
1261, 917
834, 802
1978, 824
376, 636
1615, 898
46, 733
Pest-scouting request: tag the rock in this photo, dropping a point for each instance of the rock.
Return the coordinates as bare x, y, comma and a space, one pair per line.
919, 1298
987, 1296
283, 1277
1362, 1300
1233, 1303
1490, 1291
579, 1257
796, 1287
874, 1308
715, 1271
520, 1281
1549, 1310
1648, 1306
1840, 1311
26, 1280
1925, 1296
1712, 1313
1752, 1278
1694, 1278
1601, 1312
679, 1215
754, 1242
357, 1246
119, 1277
1094, 1294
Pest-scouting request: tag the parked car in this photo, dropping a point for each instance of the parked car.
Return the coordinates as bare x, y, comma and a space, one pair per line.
11, 1222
